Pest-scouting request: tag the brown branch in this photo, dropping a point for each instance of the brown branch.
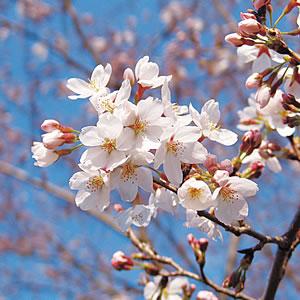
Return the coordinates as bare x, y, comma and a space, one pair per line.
21, 175
243, 230
152, 255
282, 257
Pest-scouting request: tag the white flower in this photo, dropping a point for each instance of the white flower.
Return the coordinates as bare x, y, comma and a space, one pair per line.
107, 142
139, 215
143, 123
272, 162
195, 194
261, 56
206, 295
230, 196
164, 199
274, 112
179, 145
147, 72
172, 290
43, 156
205, 225
113, 101
132, 174
93, 188
179, 113
97, 84
208, 120
249, 116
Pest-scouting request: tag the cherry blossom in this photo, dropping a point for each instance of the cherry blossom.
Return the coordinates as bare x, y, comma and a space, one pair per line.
230, 196
106, 141
164, 199
206, 295
146, 74
143, 123
207, 121
133, 174
96, 85
205, 225
179, 145
44, 157
195, 194
93, 188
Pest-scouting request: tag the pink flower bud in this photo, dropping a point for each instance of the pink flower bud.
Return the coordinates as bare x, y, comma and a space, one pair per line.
263, 95
234, 39
245, 16
118, 207
249, 27
210, 163
250, 141
226, 165
121, 262
53, 139
253, 81
256, 169
203, 242
260, 3
50, 125
128, 74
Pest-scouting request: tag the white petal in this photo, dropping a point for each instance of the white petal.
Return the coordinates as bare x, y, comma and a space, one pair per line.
160, 155
194, 153
195, 115
223, 136
145, 179
128, 190
243, 186
211, 107
188, 134
274, 164
172, 168
262, 63
80, 87
78, 181
90, 136
149, 109
109, 126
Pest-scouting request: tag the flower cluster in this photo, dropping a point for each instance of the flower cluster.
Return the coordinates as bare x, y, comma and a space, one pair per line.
133, 140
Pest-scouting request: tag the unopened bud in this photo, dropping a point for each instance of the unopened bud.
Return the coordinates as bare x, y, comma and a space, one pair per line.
121, 262
128, 74
245, 16
256, 169
188, 290
151, 269
50, 125
234, 39
253, 81
250, 141
289, 103
203, 242
56, 138
250, 27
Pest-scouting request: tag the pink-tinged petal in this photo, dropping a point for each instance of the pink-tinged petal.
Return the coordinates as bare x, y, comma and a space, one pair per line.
86, 200
124, 92
195, 116
188, 134
262, 63
126, 140
160, 155
274, 164
128, 189
145, 179
141, 62
148, 71
211, 107
149, 109
103, 76
80, 87
90, 136
243, 186
114, 159
172, 168
223, 136
97, 74
194, 153
109, 126
230, 211
247, 53
78, 181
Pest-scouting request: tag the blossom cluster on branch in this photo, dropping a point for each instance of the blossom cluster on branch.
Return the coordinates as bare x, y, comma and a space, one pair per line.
154, 152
